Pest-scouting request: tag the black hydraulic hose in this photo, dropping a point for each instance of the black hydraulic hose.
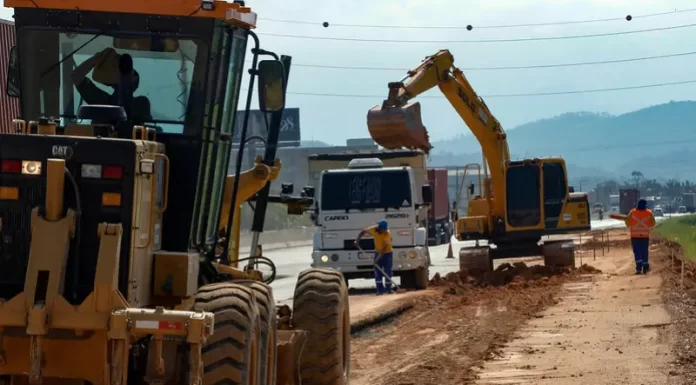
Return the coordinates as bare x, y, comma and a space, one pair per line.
78, 216
260, 260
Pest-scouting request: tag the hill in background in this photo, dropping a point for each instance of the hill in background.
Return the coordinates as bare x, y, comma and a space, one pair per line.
657, 140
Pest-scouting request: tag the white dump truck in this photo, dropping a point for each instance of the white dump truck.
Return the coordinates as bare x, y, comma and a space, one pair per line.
356, 190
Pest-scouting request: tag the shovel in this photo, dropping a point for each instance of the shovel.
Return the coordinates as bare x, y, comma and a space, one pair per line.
396, 287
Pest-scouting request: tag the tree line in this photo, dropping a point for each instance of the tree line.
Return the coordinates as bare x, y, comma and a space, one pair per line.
649, 187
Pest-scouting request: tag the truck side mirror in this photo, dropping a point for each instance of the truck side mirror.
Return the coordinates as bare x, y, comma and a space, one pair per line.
271, 85
12, 83
571, 189
427, 194
471, 189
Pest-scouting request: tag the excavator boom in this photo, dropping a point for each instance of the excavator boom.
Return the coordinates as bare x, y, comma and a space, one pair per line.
397, 123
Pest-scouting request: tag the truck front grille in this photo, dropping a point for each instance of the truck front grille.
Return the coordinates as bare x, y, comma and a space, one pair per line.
365, 244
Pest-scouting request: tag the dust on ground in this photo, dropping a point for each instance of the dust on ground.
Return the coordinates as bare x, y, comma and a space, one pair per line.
445, 336
537, 325
611, 329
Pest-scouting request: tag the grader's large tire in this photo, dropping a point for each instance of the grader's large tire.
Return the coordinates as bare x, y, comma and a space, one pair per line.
231, 354
320, 307
268, 359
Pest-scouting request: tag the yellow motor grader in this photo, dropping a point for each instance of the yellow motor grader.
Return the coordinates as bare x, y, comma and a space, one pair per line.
118, 264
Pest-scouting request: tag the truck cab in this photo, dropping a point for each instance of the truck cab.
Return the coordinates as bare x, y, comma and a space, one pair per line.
357, 197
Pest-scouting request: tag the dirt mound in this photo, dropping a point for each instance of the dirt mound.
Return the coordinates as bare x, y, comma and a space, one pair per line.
513, 275
506, 274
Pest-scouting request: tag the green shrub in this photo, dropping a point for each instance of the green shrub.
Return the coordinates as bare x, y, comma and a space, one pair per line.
681, 230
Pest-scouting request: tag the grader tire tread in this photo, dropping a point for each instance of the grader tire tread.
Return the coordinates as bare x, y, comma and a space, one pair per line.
268, 359
320, 300
227, 354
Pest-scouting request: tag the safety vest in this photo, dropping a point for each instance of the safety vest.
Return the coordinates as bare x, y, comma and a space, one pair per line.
640, 223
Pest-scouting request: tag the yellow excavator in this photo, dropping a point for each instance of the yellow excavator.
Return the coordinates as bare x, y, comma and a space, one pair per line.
120, 226
521, 201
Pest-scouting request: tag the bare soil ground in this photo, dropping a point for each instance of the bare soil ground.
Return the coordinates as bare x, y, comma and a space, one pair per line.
533, 325
680, 302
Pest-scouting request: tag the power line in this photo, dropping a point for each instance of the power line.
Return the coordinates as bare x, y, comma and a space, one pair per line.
504, 68
515, 40
569, 22
587, 91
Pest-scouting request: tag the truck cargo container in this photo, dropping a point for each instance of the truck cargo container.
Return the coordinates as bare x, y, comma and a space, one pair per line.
439, 225
628, 199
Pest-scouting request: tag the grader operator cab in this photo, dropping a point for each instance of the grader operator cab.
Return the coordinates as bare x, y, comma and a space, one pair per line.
520, 201
112, 269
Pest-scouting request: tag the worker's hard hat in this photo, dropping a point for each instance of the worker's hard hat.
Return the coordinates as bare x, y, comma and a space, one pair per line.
642, 204
382, 225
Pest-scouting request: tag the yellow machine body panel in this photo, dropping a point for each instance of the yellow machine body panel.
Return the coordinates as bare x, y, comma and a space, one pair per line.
223, 10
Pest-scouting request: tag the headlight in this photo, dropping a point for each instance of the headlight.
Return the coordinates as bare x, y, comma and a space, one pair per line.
91, 171
412, 254
403, 255
31, 167
334, 257
325, 258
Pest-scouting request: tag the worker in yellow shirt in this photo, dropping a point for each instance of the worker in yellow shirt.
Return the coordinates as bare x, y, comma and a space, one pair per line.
384, 256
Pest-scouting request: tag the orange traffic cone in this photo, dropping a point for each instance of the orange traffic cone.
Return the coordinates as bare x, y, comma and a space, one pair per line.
450, 255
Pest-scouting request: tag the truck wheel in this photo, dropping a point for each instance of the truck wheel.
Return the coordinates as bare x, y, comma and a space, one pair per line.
475, 260
559, 254
231, 354
321, 308
268, 359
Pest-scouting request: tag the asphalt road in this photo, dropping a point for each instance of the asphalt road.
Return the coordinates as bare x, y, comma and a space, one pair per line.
291, 261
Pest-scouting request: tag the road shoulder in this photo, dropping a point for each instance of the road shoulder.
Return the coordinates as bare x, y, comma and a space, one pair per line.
610, 328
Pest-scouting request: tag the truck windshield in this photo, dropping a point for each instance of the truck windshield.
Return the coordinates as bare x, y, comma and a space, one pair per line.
388, 189
52, 89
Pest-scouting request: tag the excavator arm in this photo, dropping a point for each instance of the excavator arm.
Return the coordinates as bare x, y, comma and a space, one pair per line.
397, 123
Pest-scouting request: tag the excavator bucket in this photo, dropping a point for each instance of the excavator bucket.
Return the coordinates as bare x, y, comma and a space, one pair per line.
398, 127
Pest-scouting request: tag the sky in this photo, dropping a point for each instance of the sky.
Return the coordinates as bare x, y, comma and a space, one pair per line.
335, 119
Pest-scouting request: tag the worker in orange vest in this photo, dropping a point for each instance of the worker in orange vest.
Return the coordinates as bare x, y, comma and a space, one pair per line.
639, 221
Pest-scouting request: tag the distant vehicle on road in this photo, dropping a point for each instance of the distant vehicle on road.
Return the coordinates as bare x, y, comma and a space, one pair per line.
682, 210
658, 212
614, 209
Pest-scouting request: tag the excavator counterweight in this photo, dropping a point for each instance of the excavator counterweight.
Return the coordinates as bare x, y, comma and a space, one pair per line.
398, 127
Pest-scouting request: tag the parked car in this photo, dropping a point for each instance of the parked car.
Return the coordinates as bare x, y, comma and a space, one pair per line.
682, 210
658, 212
